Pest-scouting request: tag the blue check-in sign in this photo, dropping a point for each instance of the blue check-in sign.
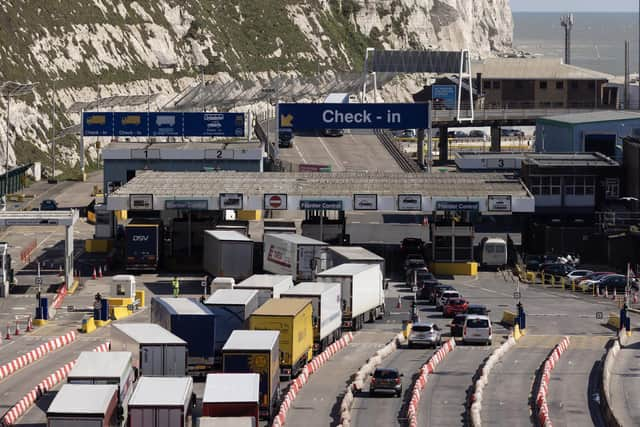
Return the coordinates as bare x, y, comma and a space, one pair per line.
97, 124
353, 116
131, 124
165, 124
213, 124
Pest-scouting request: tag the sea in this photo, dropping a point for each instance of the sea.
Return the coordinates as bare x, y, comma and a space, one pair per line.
597, 40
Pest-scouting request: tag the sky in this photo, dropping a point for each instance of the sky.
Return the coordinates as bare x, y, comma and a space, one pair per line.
574, 5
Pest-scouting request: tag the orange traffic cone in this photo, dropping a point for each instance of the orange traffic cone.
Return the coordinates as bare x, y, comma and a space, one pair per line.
100, 272
399, 303
93, 275
8, 336
29, 325
17, 329
614, 293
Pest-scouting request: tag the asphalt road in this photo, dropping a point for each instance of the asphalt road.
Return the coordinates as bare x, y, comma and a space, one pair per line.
444, 398
625, 383
387, 409
569, 386
350, 152
506, 396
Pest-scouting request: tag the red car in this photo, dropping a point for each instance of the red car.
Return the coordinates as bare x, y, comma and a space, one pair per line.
455, 306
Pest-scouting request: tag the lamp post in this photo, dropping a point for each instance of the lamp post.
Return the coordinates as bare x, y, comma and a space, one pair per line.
10, 90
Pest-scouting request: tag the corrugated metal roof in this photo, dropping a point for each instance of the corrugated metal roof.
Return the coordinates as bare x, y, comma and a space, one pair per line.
228, 388
310, 288
82, 399
356, 252
228, 235
594, 117
347, 269
231, 297
266, 281
298, 239
251, 340
282, 307
570, 160
162, 391
540, 68
205, 184
148, 333
184, 305
91, 364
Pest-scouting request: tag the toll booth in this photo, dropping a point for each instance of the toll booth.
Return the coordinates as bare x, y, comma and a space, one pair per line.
453, 231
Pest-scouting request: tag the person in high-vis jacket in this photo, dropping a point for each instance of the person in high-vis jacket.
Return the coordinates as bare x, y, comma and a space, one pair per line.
175, 283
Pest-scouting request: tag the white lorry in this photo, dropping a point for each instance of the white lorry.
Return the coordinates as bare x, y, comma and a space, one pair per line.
362, 292
327, 315
335, 98
294, 255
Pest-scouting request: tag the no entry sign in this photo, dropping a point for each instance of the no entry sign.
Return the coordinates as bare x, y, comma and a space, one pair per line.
276, 202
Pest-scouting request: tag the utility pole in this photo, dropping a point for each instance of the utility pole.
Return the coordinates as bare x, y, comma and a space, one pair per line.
52, 178
567, 23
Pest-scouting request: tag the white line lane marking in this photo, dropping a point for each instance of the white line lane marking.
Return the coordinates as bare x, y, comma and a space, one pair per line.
299, 152
335, 161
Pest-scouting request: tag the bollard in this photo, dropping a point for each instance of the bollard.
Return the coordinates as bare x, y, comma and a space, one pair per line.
399, 304
17, 329
104, 270
94, 276
100, 272
8, 336
29, 325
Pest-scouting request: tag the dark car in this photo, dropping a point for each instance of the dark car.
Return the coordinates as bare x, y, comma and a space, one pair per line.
556, 269
414, 261
477, 134
386, 380
456, 325
613, 281
48, 205
412, 276
426, 283
412, 245
478, 309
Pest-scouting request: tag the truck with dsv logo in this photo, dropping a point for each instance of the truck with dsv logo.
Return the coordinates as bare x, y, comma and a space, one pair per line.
142, 245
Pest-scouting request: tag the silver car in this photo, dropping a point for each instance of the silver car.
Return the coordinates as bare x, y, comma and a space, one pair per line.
425, 334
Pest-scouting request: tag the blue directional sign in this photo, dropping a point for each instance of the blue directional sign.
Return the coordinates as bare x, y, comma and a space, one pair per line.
97, 124
444, 96
213, 124
136, 124
353, 116
165, 124
130, 124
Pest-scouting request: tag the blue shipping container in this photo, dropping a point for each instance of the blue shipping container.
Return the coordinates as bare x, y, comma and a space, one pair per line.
189, 320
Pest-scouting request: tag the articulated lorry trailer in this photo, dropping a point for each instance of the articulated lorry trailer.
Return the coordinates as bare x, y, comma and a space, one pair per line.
362, 292
294, 255
142, 245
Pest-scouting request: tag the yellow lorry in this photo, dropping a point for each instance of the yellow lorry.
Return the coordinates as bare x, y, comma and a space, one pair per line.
293, 318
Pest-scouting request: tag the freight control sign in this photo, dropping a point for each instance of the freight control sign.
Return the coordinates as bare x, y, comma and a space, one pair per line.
353, 116
161, 124
457, 206
334, 205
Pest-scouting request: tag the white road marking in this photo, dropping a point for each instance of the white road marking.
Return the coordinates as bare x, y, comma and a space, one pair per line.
299, 152
335, 161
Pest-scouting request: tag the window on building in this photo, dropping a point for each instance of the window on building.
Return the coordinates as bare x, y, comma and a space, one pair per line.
496, 84
486, 84
579, 185
545, 185
543, 84
559, 85
612, 188
574, 85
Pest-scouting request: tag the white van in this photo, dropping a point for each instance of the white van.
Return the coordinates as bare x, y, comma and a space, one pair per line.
494, 253
477, 329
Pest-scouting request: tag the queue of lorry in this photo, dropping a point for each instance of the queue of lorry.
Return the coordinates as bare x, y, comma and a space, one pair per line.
243, 339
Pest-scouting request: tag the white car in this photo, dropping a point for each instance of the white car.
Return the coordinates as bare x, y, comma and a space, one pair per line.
576, 275
477, 329
445, 296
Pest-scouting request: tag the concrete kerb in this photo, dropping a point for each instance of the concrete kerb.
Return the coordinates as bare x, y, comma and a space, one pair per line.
24, 404
609, 363
420, 383
36, 354
311, 367
540, 404
475, 408
360, 377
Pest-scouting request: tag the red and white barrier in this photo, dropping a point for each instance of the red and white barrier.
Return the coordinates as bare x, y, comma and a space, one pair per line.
45, 385
311, 367
420, 383
35, 354
543, 388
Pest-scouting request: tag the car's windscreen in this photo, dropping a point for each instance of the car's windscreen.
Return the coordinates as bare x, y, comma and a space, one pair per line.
421, 328
477, 323
386, 374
